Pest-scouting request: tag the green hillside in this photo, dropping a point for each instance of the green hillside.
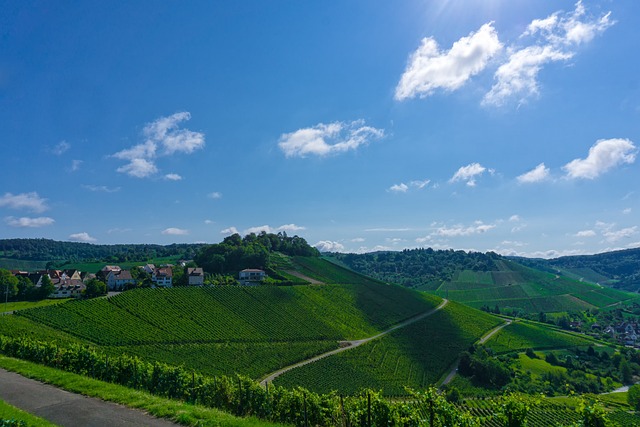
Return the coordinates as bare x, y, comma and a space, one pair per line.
226, 329
415, 356
620, 269
513, 286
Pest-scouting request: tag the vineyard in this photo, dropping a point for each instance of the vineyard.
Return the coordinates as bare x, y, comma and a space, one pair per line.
523, 335
225, 329
415, 356
514, 286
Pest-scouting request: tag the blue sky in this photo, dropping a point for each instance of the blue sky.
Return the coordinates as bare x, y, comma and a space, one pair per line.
477, 125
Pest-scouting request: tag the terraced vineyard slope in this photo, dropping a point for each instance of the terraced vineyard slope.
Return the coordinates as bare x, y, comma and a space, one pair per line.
415, 356
228, 329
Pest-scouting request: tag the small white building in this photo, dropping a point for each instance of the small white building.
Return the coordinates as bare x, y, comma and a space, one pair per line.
250, 275
196, 276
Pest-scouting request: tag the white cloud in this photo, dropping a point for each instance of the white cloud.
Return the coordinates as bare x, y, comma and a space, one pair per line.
163, 137
514, 218
29, 222
269, 229
214, 195
555, 39
429, 68
537, 174
101, 188
329, 246
420, 184
460, 230
403, 188
613, 236
173, 177
82, 237
518, 76
139, 168
585, 233
604, 155
399, 188
29, 201
172, 231
626, 211
75, 165
61, 148
208, 221
469, 174
358, 240
229, 231
324, 139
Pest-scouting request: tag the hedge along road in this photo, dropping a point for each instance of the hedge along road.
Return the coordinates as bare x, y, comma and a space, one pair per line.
68, 409
348, 345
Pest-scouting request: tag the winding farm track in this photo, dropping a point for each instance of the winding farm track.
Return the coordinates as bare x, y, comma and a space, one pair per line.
303, 277
348, 345
454, 369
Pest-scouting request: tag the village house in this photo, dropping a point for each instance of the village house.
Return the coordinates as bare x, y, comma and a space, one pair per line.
67, 288
162, 277
195, 276
251, 275
118, 279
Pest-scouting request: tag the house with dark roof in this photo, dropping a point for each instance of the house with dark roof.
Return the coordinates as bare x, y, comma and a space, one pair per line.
195, 276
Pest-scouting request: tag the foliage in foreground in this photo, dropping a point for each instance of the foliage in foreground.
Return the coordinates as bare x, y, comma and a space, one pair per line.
242, 396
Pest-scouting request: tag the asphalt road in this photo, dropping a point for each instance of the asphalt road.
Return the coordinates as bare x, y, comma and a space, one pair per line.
68, 409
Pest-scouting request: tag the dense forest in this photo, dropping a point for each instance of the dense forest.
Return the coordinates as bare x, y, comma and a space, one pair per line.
621, 267
52, 250
236, 253
414, 268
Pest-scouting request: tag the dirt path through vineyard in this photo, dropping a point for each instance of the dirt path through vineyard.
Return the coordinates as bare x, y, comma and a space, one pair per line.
348, 345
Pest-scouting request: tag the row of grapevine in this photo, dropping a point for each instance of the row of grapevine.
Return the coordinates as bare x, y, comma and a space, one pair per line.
415, 356
242, 396
235, 314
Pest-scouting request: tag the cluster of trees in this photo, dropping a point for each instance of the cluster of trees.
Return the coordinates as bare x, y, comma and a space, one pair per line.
60, 253
418, 267
236, 253
22, 289
483, 368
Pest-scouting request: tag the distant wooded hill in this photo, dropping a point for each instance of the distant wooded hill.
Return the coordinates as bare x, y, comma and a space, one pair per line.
52, 250
418, 268
620, 269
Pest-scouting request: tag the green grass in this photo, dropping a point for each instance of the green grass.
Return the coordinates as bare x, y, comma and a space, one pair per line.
21, 305
522, 335
414, 356
8, 412
538, 367
180, 412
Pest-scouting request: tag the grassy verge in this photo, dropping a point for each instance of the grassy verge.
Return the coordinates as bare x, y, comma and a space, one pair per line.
20, 305
8, 412
179, 412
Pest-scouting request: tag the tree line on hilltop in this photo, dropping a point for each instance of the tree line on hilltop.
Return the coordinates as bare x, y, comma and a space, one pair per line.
418, 267
52, 250
236, 253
